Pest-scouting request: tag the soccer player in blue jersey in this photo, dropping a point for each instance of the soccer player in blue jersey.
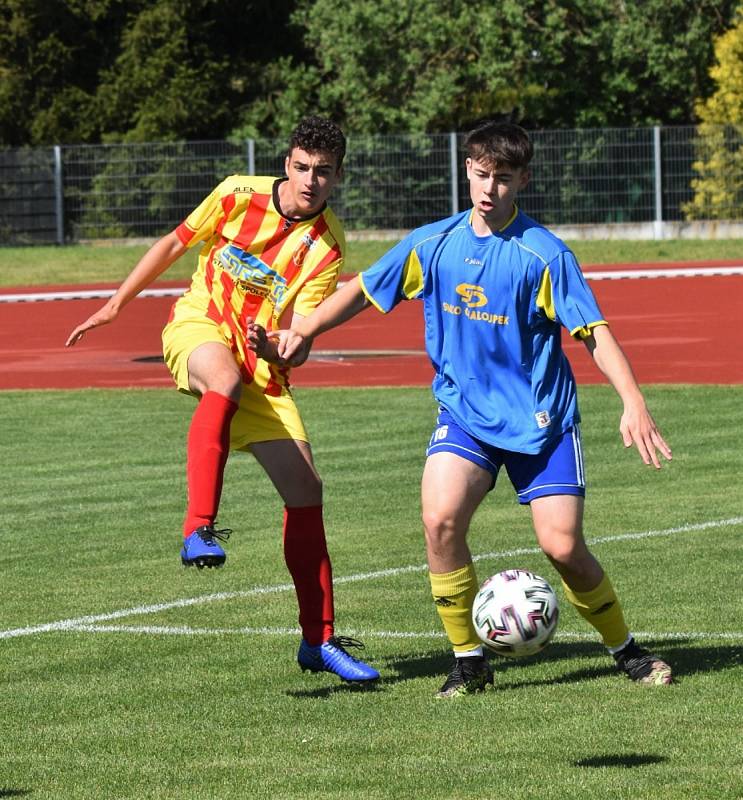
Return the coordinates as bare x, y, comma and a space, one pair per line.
497, 289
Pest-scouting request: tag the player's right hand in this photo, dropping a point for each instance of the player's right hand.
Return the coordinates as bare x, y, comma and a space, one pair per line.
292, 347
103, 316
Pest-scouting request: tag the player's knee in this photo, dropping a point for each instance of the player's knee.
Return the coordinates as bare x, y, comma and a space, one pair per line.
314, 490
566, 552
224, 382
305, 490
439, 526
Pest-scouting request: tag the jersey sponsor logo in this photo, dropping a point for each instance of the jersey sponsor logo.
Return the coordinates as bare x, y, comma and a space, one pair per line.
473, 296
543, 419
305, 246
475, 315
254, 275
486, 316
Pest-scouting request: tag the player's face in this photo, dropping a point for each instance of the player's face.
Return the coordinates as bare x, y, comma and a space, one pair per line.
312, 177
493, 190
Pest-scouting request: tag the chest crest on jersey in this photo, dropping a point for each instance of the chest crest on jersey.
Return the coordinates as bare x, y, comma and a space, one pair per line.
305, 245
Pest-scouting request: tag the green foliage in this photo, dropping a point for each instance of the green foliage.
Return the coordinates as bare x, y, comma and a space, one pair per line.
439, 65
135, 70
142, 70
718, 191
51, 55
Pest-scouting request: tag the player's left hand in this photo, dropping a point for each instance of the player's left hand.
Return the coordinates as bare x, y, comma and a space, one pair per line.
255, 337
638, 427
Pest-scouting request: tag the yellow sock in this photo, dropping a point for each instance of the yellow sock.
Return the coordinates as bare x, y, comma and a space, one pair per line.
454, 593
600, 608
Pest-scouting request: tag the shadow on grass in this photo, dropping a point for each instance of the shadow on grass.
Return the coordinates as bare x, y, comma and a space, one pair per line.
624, 760
14, 792
683, 656
336, 689
685, 660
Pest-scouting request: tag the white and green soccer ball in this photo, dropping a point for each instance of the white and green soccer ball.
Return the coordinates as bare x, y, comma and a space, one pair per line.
515, 613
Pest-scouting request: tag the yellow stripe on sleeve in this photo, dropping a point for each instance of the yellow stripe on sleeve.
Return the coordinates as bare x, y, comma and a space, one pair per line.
545, 300
412, 276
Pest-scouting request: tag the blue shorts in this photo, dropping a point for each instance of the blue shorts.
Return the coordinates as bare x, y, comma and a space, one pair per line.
556, 470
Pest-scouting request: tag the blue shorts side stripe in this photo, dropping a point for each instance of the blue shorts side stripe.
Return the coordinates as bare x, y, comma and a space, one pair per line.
471, 455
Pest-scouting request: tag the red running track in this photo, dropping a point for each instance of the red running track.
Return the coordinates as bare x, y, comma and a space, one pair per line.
674, 330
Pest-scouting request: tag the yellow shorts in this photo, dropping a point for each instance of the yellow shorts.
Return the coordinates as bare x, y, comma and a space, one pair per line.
260, 417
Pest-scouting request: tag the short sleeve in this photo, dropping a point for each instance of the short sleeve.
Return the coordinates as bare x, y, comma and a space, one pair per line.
204, 220
565, 297
397, 276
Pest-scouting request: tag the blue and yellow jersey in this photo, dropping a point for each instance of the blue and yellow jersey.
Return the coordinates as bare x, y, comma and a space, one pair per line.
494, 307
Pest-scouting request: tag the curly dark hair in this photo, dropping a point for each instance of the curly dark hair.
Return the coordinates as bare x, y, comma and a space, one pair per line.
500, 143
317, 134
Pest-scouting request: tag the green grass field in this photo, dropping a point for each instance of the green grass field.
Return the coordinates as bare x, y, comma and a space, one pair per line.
34, 266
126, 676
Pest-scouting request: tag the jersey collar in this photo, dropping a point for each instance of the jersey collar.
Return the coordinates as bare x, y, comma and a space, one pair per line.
509, 222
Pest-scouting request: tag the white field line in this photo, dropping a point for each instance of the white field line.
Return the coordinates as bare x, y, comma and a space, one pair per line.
85, 294
186, 630
592, 274
92, 620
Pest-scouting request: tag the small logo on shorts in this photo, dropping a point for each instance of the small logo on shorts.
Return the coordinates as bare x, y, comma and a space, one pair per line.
543, 419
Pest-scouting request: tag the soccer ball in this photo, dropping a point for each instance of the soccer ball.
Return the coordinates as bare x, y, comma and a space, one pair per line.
515, 613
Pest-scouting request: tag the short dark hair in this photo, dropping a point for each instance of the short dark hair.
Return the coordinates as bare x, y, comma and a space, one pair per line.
317, 134
500, 143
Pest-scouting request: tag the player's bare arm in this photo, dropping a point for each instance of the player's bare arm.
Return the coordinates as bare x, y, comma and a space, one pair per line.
341, 306
637, 425
152, 264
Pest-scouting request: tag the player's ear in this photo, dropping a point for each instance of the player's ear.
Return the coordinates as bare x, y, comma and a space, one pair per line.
525, 178
287, 161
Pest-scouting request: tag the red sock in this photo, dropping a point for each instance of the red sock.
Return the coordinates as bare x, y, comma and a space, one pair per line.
207, 451
306, 555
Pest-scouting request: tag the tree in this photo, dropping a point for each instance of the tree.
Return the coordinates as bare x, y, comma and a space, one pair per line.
185, 67
133, 70
437, 65
718, 192
51, 55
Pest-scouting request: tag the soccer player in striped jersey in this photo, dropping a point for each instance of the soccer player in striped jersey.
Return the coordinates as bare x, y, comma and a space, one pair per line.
270, 251
497, 289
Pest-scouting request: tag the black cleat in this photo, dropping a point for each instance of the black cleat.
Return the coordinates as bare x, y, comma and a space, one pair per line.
642, 666
468, 675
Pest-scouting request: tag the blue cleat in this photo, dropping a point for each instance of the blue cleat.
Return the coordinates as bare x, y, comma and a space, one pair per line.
331, 656
201, 550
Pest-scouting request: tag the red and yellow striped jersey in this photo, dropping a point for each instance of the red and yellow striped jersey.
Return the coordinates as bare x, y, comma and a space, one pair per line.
255, 262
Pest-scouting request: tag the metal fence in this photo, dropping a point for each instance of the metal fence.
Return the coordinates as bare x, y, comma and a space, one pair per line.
70, 193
